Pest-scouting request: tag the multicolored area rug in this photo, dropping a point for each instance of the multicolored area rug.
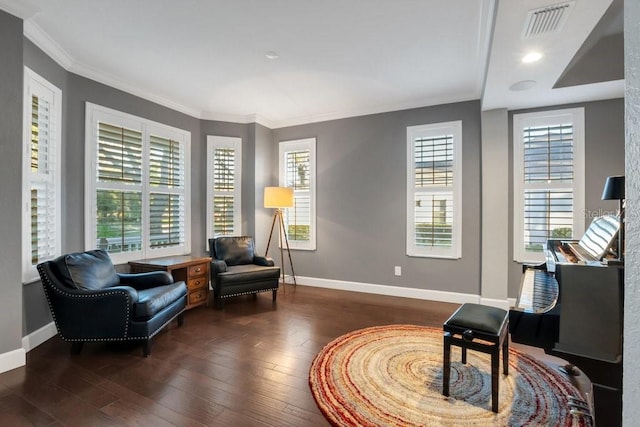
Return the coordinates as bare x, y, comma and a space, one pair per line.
392, 376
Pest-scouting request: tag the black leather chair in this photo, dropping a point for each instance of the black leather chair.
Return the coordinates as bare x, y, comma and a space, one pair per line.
237, 270
90, 301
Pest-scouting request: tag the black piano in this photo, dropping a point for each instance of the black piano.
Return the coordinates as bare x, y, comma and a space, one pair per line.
572, 307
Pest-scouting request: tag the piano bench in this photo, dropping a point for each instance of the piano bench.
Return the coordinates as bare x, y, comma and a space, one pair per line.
480, 328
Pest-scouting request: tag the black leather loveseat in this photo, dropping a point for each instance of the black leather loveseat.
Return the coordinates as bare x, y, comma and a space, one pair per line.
237, 270
90, 301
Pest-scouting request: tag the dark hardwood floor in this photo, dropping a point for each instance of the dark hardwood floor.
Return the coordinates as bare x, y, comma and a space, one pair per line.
244, 366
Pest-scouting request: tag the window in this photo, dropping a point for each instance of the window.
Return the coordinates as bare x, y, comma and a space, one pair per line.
137, 186
224, 182
548, 171
42, 121
298, 171
434, 180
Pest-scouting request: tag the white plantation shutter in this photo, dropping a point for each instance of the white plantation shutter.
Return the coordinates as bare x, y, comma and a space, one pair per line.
137, 191
166, 209
224, 184
119, 189
548, 170
297, 171
42, 120
433, 186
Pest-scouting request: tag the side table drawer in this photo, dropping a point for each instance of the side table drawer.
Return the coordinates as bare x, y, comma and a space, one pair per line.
199, 296
197, 283
197, 270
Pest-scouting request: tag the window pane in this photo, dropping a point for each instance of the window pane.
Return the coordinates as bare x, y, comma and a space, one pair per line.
548, 154
165, 163
224, 169
42, 222
119, 154
119, 220
434, 219
548, 214
433, 159
297, 169
298, 218
166, 220
223, 215
40, 117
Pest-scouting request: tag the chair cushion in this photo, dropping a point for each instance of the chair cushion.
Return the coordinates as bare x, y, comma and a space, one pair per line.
236, 250
248, 273
153, 300
91, 270
478, 317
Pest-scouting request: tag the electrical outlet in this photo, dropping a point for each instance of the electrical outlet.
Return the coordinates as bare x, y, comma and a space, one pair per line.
398, 270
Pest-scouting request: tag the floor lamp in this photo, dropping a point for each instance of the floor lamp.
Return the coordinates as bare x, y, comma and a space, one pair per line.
614, 190
279, 198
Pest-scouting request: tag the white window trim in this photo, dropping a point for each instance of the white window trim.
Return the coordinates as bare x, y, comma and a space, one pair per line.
35, 84
235, 143
454, 128
521, 121
293, 145
95, 113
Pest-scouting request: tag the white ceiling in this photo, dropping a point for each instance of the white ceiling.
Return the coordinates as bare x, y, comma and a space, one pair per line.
337, 58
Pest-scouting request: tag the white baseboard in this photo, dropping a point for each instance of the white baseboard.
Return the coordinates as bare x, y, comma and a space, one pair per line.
396, 291
12, 359
39, 336
16, 358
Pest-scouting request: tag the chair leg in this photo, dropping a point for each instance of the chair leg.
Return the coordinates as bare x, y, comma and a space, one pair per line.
275, 295
76, 347
181, 319
464, 354
446, 365
218, 303
146, 347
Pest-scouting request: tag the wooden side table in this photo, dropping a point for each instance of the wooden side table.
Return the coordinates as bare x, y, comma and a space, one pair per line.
194, 271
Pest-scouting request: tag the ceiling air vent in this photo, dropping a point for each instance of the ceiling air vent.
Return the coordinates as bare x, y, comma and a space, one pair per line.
546, 20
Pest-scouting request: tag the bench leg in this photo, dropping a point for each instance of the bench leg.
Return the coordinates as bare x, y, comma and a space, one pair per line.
495, 380
446, 366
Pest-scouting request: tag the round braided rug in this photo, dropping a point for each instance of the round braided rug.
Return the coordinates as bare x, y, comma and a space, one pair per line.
392, 376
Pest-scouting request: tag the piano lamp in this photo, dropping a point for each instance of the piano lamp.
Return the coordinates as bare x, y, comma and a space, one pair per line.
614, 190
279, 198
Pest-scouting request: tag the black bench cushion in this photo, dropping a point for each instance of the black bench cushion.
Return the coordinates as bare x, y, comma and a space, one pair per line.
153, 300
478, 317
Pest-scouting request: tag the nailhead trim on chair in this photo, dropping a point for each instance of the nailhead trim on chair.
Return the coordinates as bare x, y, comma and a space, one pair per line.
50, 285
248, 293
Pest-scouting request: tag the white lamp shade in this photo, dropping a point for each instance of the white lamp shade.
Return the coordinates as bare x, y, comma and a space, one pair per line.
278, 197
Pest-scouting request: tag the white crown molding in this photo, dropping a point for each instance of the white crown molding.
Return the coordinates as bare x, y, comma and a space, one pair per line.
41, 39
21, 8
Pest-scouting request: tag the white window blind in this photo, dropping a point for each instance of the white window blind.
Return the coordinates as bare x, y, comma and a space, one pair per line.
137, 186
433, 186
224, 187
41, 172
548, 173
297, 171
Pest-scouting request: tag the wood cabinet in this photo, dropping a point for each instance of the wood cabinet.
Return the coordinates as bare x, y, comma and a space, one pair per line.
194, 271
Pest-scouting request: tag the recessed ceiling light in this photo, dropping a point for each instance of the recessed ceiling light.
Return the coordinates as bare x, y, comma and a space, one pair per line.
522, 85
531, 57
271, 55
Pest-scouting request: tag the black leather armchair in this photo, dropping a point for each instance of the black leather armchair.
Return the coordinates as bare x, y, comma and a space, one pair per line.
237, 270
90, 301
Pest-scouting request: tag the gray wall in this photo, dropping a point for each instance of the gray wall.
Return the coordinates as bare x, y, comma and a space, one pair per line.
631, 374
361, 200
604, 156
11, 75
